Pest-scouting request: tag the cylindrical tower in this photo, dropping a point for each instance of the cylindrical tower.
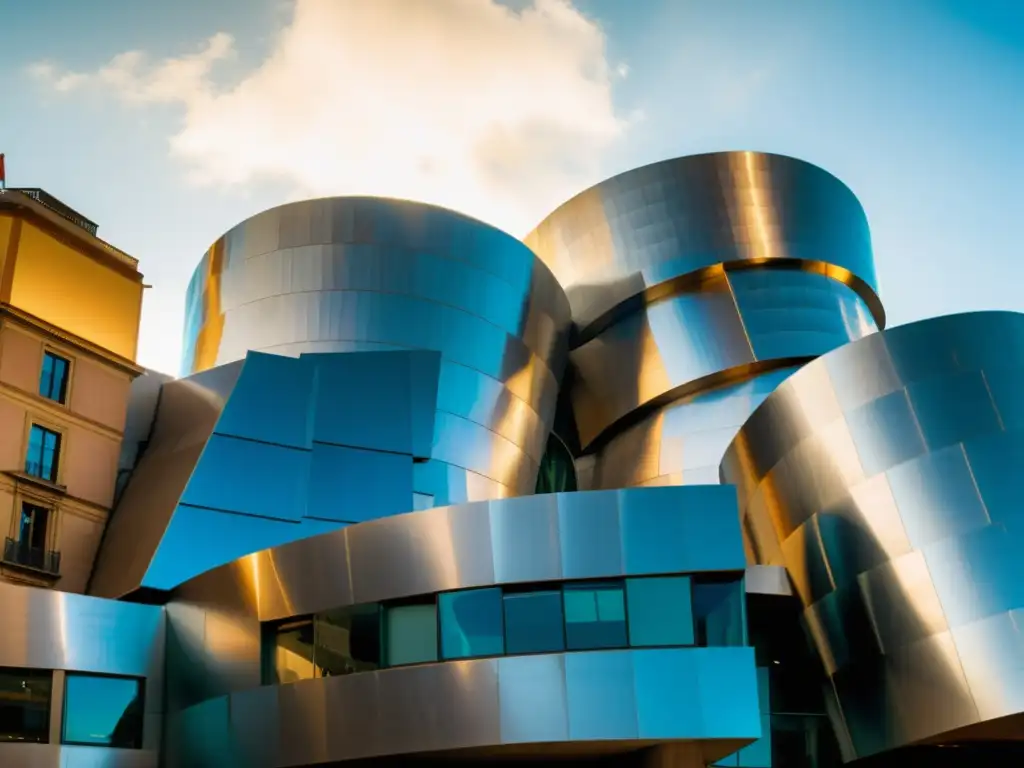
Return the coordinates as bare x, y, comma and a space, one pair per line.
697, 285
885, 477
363, 274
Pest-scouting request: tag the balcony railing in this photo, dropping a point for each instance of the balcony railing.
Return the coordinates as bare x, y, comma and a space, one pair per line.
20, 553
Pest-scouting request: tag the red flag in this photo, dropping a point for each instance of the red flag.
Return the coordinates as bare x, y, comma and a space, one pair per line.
3, 173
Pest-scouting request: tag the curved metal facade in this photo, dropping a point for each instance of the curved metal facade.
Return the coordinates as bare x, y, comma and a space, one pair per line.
597, 701
695, 277
885, 477
366, 274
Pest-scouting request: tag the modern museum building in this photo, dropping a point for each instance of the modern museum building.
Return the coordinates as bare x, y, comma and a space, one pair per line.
653, 486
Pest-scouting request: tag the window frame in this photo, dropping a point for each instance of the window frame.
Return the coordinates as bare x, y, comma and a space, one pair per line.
65, 389
50, 427
36, 505
141, 735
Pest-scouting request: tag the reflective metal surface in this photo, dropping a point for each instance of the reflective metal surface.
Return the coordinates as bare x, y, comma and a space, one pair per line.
554, 537
589, 702
273, 449
44, 629
884, 476
697, 284
366, 274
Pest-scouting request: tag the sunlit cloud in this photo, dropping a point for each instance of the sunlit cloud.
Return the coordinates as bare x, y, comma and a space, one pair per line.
496, 112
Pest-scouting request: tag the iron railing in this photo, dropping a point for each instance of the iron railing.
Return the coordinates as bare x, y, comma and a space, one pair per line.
51, 203
36, 558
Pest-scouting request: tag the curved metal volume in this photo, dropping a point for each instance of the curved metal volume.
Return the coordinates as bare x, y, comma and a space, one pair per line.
885, 477
590, 701
367, 274
700, 273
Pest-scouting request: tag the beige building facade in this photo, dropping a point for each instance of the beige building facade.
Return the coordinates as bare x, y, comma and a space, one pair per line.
69, 315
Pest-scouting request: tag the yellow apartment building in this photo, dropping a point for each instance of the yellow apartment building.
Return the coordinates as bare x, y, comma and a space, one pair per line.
69, 317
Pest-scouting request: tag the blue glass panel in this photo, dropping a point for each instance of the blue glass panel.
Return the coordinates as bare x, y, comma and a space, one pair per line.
533, 622
660, 611
43, 450
411, 634
595, 616
53, 378
471, 623
718, 613
103, 711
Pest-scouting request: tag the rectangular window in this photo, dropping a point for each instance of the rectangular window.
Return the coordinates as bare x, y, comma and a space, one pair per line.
32, 526
290, 651
347, 640
660, 611
410, 633
595, 616
43, 454
53, 378
471, 623
718, 613
534, 622
103, 711
25, 705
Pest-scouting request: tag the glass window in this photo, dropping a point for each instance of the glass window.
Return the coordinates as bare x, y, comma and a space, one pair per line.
25, 705
291, 652
32, 526
718, 613
471, 623
43, 453
411, 634
595, 616
660, 612
53, 379
103, 711
533, 622
347, 640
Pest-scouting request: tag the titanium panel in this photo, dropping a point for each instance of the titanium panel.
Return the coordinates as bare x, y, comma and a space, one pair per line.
274, 449
884, 477
646, 227
587, 700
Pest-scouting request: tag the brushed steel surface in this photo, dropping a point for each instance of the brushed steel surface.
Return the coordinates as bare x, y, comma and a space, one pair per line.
884, 477
45, 629
643, 228
596, 701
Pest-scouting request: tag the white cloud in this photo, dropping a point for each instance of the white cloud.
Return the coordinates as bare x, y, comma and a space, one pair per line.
499, 113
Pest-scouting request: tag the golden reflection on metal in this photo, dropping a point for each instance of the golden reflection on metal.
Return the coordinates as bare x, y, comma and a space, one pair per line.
207, 343
907, 572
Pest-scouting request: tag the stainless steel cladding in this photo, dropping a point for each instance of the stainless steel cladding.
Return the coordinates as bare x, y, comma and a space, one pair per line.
885, 476
596, 700
78, 638
697, 273
366, 274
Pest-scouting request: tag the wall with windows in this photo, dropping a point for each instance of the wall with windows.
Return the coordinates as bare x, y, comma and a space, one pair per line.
81, 680
704, 610
62, 414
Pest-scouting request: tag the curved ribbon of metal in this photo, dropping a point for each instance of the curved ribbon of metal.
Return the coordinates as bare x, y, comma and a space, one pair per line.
616, 699
885, 477
700, 273
355, 274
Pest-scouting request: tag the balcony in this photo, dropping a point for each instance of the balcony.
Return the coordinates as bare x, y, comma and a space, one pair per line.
19, 553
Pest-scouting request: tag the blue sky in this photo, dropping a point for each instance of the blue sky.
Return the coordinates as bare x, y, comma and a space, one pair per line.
918, 106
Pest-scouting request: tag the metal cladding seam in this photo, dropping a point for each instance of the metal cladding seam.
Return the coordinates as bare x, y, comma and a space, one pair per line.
699, 273
363, 274
885, 477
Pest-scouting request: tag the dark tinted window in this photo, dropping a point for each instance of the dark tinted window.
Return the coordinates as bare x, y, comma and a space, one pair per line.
718, 613
25, 705
347, 640
660, 611
533, 622
471, 623
103, 711
43, 453
53, 379
32, 526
